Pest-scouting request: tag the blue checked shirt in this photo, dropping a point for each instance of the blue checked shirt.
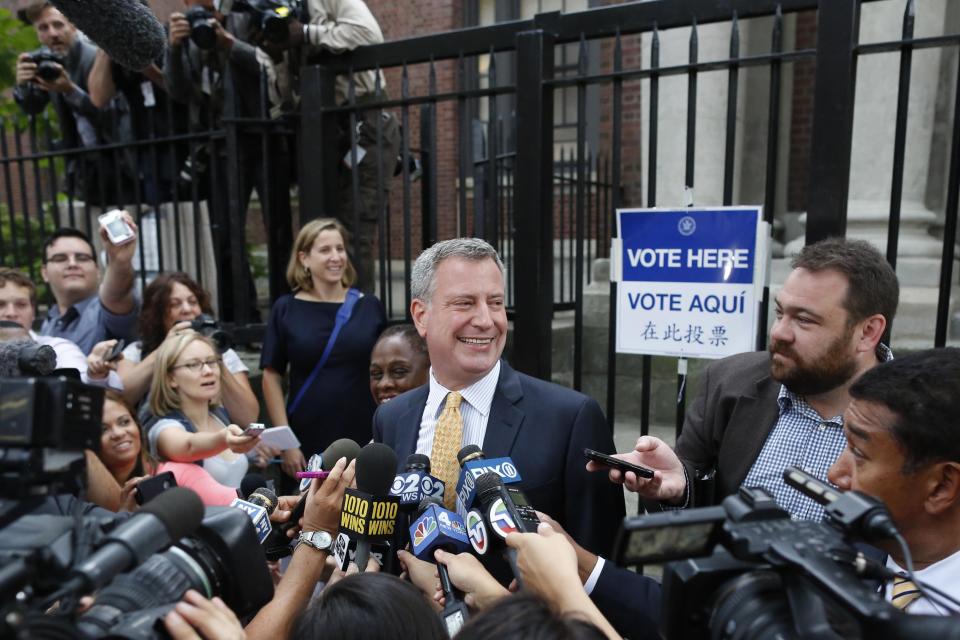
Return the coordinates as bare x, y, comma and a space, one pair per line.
803, 438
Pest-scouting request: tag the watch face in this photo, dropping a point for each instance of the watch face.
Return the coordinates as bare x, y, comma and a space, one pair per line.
318, 539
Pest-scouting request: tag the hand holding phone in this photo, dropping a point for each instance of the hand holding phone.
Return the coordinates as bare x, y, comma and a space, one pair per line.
617, 463
254, 429
116, 352
118, 231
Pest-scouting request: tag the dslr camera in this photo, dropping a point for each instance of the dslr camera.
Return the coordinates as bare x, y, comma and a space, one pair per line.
202, 31
207, 325
746, 570
48, 64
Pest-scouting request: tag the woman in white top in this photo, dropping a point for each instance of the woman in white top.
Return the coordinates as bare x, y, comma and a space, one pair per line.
170, 303
191, 426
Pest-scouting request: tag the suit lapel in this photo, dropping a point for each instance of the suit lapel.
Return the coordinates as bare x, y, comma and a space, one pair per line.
408, 425
749, 425
503, 426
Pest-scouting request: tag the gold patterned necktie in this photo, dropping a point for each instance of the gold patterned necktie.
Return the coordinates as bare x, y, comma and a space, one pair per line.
446, 444
905, 591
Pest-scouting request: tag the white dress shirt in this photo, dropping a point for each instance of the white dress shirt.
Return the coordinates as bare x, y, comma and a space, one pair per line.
944, 575
69, 356
475, 410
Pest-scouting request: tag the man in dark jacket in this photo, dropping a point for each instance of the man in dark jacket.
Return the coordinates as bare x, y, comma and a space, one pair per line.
93, 177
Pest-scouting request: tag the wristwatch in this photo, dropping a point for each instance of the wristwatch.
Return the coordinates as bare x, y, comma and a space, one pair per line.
319, 540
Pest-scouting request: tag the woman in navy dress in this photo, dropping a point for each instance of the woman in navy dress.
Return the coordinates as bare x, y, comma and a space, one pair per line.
336, 403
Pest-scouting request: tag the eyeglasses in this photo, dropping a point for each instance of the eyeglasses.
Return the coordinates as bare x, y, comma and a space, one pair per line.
195, 366
79, 258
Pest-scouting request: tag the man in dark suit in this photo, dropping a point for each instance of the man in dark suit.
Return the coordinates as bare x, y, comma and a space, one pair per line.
458, 307
758, 413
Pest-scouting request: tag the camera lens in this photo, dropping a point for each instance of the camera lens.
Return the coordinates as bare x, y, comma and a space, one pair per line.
48, 71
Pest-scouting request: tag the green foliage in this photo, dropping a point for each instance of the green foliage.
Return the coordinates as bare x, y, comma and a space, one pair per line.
15, 38
19, 251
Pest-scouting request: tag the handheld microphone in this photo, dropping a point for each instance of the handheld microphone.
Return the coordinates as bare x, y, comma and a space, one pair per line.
251, 482
858, 514
473, 464
259, 506
369, 512
21, 358
173, 514
411, 485
126, 29
438, 528
342, 448
506, 511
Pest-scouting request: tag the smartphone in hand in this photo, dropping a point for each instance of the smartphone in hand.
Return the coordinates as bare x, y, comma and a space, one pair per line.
617, 463
118, 231
116, 352
254, 429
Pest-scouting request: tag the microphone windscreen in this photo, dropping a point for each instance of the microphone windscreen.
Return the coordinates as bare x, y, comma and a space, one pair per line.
179, 509
376, 469
251, 482
265, 498
469, 452
426, 502
342, 448
126, 29
418, 461
488, 483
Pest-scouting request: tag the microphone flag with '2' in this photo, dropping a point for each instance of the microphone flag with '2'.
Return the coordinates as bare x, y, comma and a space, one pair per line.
438, 528
473, 464
369, 512
411, 485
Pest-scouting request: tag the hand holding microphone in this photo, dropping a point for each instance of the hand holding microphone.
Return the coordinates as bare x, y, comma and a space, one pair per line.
324, 499
480, 589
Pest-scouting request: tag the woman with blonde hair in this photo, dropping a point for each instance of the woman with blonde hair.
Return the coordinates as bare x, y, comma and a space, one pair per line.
322, 333
191, 424
122, 462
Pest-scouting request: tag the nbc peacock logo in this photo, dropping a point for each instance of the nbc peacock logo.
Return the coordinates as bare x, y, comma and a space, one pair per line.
426, 526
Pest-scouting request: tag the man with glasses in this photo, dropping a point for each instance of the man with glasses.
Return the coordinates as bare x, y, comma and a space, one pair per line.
89, 309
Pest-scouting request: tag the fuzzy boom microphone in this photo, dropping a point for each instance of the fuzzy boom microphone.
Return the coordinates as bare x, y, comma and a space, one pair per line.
126, 29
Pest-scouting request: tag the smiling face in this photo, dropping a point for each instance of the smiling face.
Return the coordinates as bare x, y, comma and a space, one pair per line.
396, 367
54, 30
182, 305
70, 269
120, 439
812, 347
465, 322
196, 373
327, 259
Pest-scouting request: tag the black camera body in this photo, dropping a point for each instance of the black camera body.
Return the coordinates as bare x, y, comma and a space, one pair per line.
215, 561
747, 570
48, 64
202, 31
207, 325
272, 17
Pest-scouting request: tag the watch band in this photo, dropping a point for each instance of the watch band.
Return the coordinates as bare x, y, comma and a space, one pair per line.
308, 538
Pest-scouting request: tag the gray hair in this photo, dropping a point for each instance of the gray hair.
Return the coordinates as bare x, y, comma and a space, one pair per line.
424, 270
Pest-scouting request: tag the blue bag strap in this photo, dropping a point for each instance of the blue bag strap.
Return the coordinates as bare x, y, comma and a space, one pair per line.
343, 314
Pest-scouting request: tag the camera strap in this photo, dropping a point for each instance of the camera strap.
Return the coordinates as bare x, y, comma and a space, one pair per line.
343, 315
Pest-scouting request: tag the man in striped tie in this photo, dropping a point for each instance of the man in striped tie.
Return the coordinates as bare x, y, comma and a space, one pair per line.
903, 447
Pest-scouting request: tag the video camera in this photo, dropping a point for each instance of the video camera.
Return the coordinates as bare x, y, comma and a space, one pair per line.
214, 561
207, 325
747, 570
45, 425
48, 64
272, 17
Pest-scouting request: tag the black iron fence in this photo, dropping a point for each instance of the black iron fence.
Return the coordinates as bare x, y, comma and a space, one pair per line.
477, 110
